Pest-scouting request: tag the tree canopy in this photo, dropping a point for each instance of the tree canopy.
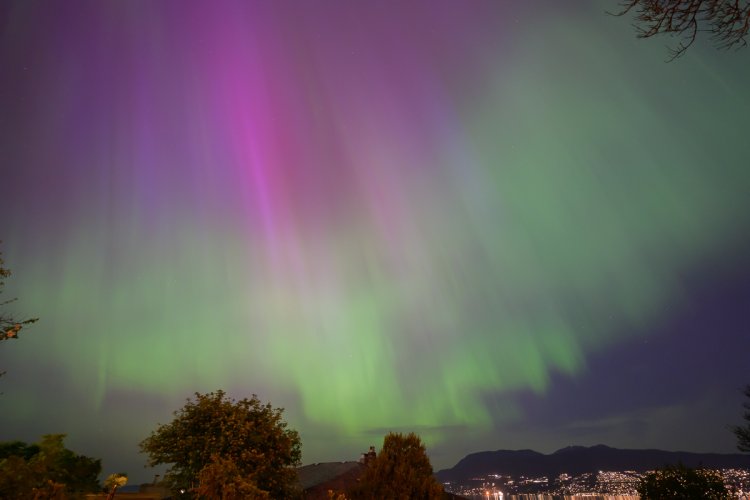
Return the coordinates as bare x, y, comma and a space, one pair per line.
401, 470
46, 470
727, 21
214, 440
743, 432
222, 479
682, 482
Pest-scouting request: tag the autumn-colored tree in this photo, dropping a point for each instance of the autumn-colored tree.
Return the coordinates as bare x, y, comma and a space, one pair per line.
214, 438
743, 432
727, 21
401, 470
684, 483
46, 470
9, 326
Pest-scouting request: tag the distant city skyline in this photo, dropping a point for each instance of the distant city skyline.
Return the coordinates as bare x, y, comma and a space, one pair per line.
500, 225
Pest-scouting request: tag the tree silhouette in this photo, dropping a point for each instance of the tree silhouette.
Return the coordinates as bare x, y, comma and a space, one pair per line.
401, 470
726, 20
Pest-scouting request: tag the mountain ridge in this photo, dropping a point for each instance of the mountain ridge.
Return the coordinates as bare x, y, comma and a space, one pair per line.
581, 459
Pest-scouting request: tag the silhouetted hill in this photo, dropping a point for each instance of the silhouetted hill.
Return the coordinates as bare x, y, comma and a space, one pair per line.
576, 460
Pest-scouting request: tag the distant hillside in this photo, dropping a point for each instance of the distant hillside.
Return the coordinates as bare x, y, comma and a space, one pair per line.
576, 460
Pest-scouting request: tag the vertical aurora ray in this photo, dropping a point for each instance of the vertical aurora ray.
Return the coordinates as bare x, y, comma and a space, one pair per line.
376, 219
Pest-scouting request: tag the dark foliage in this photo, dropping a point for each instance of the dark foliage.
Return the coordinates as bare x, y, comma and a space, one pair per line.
46, 470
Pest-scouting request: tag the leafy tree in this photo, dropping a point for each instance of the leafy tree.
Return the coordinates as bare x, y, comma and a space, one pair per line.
682, 482
227, 438
222, 479
46, 470
743, 433
726, 20
9, 326
402, 470
18, 448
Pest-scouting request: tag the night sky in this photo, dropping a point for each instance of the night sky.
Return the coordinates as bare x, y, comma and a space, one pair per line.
500, 224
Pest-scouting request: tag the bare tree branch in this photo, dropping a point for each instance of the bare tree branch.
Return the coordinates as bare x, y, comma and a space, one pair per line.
728, 21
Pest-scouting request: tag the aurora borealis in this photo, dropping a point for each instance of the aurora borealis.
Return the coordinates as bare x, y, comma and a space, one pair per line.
500, 224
